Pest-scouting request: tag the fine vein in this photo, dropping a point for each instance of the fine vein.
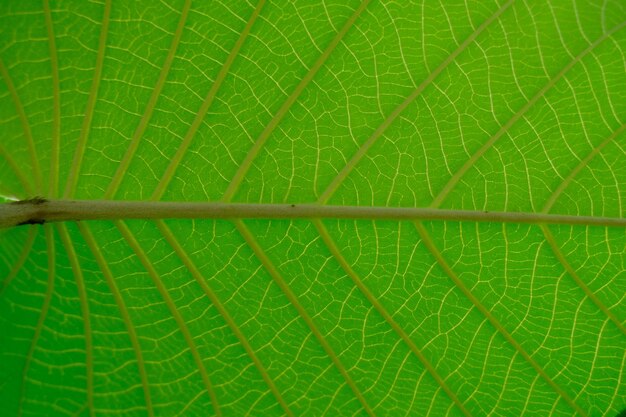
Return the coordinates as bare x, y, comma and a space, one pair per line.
583, 163
30, 142
293, 299
517, 116
572, 272
53, 177
247, 162
17, 265
398, 110
388, 317
130, 328
84, 309
72, 178
180, 321
193, 270
17, 171
143, 122
204, 108
51, 252
430, 244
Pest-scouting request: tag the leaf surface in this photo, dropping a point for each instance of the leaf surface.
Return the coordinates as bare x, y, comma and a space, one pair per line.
493, 107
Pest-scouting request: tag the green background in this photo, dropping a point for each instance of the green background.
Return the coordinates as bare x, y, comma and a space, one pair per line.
490, 106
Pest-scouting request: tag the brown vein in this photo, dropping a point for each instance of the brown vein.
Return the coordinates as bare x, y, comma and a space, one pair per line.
19, 108
204, 108
53, 175
430, 245
334, 250
130, 328
72, 178
332, 187
17, 266
197, 275
50, 247
278, 279
517, 116
143, 258
269, 128
145, 119
32, 210
84, 309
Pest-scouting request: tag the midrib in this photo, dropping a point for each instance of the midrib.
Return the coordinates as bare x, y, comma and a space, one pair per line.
38, 210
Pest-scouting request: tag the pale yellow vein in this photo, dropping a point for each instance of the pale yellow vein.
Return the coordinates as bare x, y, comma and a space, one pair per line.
293, 299
430, 245
17, 171
19, 108
197, 275
79, 153
572, 273
334, 250
204, 108
517, 116
84, 309
145, 119
269, 128
156, 279
130, 328
53, 175
582, 164
51, 252
343, 174
17, 266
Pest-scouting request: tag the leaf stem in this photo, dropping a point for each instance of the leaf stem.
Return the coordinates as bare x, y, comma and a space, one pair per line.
40, 211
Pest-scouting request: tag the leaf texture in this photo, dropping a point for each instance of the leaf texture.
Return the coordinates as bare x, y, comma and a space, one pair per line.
504, 106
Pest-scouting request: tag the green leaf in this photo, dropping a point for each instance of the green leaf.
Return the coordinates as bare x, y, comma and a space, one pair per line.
485, 108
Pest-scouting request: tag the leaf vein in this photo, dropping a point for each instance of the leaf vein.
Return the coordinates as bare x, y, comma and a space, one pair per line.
51, 250
130, 328
84, 308
145, 118
72, 179
269, 128
204, 108
430, 245
53, 176
28, 245
278, 279
517, 116
193, 270
572, 273
343, 174
19, 108
143, 258
334, 250
583, 163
